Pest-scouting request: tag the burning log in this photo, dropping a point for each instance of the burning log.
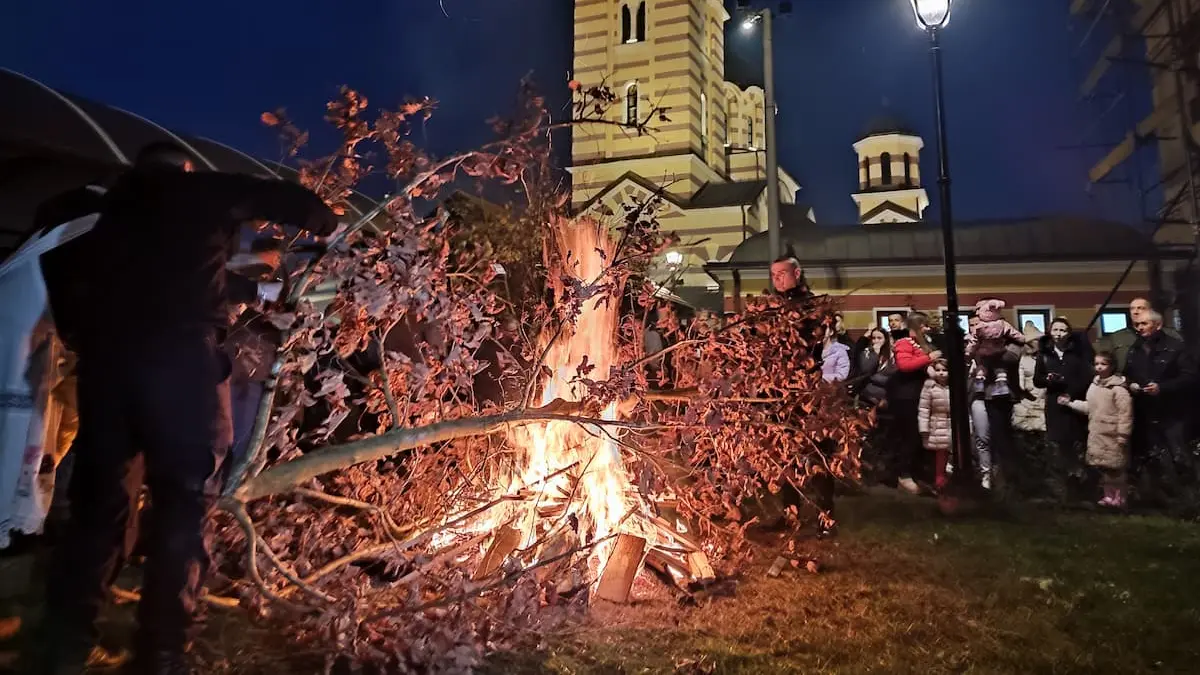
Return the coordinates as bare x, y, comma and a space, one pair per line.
700, 568
617, 580
506, 541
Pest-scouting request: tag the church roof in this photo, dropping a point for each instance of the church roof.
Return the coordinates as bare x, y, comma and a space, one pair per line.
709, 196
1046, 239
881, 125
736, 193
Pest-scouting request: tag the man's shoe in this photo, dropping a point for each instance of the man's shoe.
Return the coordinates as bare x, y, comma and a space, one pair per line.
910, 486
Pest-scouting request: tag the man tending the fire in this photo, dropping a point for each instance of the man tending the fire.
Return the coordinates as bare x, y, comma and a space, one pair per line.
156, 386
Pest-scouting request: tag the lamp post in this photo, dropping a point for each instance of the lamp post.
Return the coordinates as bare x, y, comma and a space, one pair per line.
932, 16
763, 16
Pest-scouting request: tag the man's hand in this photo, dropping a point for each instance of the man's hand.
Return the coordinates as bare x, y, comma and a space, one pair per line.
935, 355
1063, 399
1151, 389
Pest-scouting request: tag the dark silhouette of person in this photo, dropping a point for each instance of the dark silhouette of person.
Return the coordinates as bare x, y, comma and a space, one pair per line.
153, 377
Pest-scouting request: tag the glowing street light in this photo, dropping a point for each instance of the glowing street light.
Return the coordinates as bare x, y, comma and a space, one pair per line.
932, 14
753, 18
674, 258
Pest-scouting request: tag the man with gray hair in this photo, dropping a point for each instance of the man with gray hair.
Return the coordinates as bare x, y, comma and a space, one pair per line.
1162, 377
1120, 342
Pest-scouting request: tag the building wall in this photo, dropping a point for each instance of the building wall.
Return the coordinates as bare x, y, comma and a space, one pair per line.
870, 151
1165, 120
679, 66
1071, 290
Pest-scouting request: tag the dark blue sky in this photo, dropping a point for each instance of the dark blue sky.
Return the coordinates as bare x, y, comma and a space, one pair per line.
211, 68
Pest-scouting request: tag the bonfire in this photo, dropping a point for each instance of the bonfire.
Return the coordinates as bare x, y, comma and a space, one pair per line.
390, 515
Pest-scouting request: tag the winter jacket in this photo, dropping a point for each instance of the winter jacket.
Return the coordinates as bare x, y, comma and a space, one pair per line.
1030, 415
178, 230
1120, 342
911, 362
1070, 374
1164, 360
1109, 410
835, 362
933, 415
870, 376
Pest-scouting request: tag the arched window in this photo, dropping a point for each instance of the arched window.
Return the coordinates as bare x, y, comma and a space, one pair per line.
631, 103
750, 131
626, 24
703, 123
866, 176
907, 170
641, 22
885, 167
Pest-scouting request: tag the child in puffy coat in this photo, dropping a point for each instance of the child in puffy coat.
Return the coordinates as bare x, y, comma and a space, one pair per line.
1109, 409
989, 339
933, 417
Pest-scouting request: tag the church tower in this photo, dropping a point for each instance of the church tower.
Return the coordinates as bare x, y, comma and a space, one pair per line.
889, 174
707, 159
652, 54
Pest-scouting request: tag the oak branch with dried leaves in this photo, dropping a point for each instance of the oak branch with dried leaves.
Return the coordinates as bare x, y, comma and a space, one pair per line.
444, 462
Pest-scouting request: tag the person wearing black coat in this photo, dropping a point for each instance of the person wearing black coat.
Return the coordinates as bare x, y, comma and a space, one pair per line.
1064, 366
1162, 377
153, 378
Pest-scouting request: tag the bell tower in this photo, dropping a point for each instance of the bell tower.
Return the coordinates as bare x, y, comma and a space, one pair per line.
889, 174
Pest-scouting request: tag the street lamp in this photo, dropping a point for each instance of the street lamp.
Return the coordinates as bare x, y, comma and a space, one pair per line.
932, 16
754, 17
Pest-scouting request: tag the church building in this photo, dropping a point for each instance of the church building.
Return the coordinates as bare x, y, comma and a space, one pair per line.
708, 160
891, 260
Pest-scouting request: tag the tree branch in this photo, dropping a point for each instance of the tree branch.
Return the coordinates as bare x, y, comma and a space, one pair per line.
287, 476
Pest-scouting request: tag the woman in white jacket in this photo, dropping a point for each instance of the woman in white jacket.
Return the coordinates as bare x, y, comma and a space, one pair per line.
1030, 415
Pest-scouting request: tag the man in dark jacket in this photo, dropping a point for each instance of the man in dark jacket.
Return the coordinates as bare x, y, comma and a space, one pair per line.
153, 377
1162, 377
788, 281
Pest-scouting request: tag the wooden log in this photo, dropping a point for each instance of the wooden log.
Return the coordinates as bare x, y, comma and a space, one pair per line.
621, 569
699, 566
670, 530
506, 541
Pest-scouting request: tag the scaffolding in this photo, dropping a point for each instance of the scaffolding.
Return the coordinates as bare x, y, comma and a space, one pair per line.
1126, 47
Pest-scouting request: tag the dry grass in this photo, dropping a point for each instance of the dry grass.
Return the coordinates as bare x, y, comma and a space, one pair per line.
903, 591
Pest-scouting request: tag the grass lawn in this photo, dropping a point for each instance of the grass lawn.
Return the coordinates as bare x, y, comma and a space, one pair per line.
902, 591
906, 591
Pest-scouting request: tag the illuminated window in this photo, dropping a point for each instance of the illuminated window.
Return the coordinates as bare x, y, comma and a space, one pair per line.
631, 103
1112, 321
1039, 317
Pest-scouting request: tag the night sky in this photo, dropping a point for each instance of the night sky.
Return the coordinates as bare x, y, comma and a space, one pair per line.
210, 68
